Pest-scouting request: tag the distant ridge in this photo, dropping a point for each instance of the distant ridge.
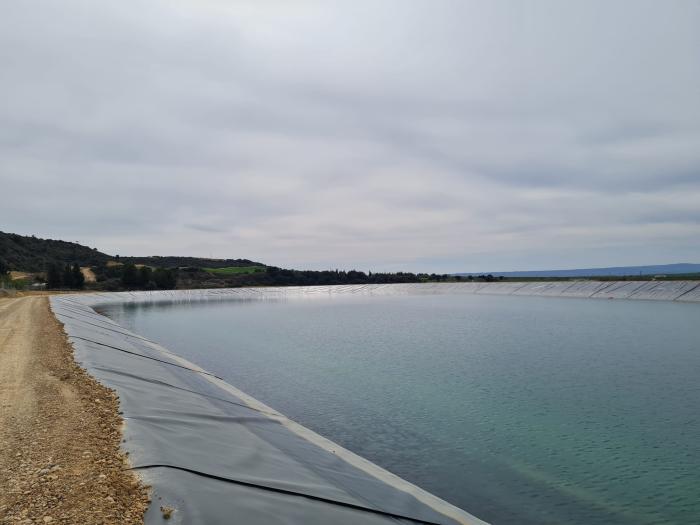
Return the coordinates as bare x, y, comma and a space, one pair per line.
659, 269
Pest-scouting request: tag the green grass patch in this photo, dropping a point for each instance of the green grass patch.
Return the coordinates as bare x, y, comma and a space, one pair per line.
235, 270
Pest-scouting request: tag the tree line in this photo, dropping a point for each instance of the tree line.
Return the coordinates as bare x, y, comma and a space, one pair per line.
129, 276
274, 276
68, 276
4, 272
146, 278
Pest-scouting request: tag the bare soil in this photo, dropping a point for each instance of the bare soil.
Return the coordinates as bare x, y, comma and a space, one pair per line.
60, 460
89, 275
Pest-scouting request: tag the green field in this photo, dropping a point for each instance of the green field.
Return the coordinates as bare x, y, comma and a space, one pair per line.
235, 270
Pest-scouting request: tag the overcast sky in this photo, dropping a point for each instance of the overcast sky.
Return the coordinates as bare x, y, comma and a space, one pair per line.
384, 135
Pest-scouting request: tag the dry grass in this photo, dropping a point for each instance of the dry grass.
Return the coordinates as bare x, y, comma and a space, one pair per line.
89, 275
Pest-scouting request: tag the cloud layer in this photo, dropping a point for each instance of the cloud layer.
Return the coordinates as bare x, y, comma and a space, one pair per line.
438, 136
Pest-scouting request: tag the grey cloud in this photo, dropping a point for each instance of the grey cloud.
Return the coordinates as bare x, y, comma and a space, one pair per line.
205, 228
454, 134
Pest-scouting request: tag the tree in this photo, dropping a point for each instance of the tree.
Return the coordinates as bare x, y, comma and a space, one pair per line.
164, 279
77, 277
67, 277
53, 276
144, 277
3, 268
130, 276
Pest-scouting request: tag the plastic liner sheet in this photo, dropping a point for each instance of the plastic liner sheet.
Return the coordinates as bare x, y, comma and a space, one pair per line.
545, 289
499, 288
665, 290
619, 290
692, 295
688, 291
583, 289
216, 455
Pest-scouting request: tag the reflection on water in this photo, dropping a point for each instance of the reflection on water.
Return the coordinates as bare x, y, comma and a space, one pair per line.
522, 410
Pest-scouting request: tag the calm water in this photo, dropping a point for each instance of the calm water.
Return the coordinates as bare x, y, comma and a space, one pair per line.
521, 410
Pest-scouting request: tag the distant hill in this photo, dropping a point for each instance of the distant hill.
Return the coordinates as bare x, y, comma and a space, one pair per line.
659, 269
31, 254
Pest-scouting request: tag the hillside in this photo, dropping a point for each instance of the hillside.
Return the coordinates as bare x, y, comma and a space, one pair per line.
31, 254
179, 262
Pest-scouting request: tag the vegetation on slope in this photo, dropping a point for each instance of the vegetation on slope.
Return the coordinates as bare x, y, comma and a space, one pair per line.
234, 270
157, 261
70, 277
31, 254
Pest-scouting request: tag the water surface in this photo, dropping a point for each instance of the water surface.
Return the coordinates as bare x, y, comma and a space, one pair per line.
521, 410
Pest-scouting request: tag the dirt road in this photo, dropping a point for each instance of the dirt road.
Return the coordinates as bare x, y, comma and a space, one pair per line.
59, 430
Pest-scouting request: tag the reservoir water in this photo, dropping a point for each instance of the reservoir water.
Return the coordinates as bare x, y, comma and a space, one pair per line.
521, 410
